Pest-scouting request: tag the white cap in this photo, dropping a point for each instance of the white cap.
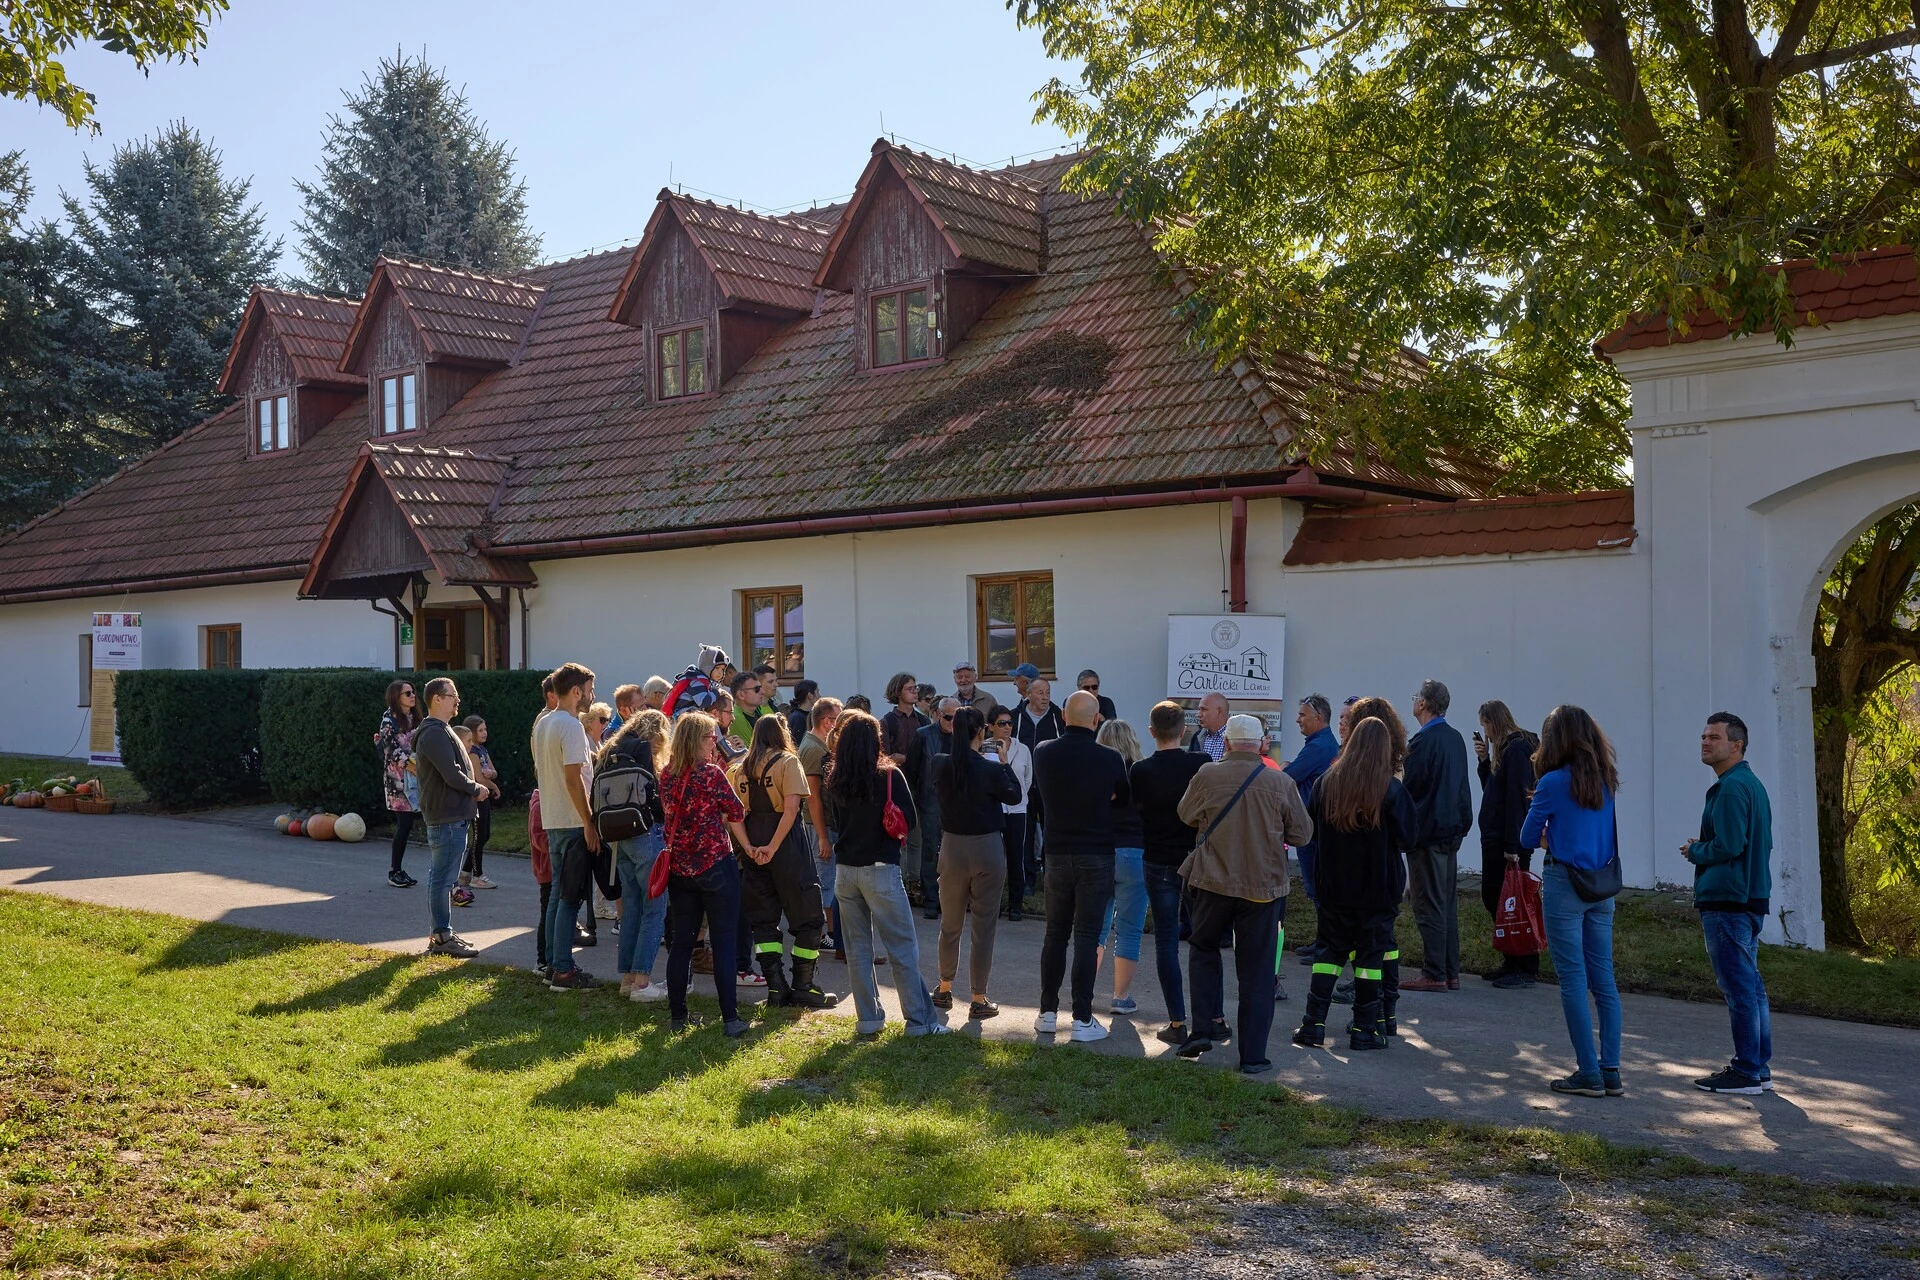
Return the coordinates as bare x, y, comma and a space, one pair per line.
1245, 729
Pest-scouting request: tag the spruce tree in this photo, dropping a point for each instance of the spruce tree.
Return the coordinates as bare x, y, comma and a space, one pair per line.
169, 249
410, 172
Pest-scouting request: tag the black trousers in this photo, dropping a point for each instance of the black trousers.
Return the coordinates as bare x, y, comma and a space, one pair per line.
930, 834
1363, 937
789, 884
1079, 887
1493, 871
540, 930
402, 828
1015, 835
477, 838
712, 896
1254, 928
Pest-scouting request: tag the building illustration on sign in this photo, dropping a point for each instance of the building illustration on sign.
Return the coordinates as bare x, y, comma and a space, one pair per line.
1249, 664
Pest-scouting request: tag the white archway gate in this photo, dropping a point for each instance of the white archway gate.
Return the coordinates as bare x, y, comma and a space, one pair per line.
1754, 467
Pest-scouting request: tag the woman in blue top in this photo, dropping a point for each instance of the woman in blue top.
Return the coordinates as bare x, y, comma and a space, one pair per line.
1572, 818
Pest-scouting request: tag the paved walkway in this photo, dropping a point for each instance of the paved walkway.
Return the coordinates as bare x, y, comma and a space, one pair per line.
1845, 1106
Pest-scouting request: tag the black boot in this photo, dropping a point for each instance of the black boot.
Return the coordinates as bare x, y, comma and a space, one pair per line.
1369, 1027
773, 965
805, 993
1311, 1035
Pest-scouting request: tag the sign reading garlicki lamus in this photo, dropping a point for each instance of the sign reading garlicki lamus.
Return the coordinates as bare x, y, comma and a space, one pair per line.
1241, 655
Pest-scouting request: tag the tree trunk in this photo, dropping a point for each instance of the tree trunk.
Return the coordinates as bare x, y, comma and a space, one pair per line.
1830, 738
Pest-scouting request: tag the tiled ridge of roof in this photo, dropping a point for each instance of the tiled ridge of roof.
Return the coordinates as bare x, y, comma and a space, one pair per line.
448, 496
461, 315
312, 329
1876, 282
1592, 520
756, 257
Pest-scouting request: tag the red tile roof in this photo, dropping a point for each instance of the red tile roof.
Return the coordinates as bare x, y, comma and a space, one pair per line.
312, 328
461, 315
990, 218
1080, 381
1475, 527
755, 258
1879, 282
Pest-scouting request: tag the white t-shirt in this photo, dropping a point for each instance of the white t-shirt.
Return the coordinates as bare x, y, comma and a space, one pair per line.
558, 741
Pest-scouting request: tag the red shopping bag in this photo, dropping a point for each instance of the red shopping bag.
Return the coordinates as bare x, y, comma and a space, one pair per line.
1517, 927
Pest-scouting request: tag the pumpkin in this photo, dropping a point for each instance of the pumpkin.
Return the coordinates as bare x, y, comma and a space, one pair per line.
30, 800
293, 826
350, 827
280, 823
320, 826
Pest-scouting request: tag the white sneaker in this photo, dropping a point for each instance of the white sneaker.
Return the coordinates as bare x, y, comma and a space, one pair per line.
1047, 1023
605, 911
1088, 1030
481, 882
647, 994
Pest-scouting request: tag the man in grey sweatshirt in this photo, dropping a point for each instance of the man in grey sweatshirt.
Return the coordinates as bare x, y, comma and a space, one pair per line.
449, 794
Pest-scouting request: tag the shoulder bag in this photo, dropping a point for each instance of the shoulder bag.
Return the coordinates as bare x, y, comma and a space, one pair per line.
1219, 817
892, 820
1602, 883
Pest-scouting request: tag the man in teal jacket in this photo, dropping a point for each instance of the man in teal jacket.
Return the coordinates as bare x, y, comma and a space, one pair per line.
1731, 887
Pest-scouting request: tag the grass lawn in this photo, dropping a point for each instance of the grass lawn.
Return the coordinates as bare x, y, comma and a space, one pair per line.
1657, 950
184, 1099
119, 784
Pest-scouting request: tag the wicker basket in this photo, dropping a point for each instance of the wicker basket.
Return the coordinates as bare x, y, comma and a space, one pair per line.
62, 804
87, 804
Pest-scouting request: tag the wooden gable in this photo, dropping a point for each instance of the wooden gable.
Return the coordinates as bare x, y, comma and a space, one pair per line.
891, 241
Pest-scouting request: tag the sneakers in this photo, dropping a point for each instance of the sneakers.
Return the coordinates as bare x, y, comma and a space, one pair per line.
1610, 1081
982, 1009
943, 998
1089, 1030
736, 1027
1124, 1005
1193, 1046
605, 911
481, 882
1174, 1033
451, 944
1279, 989
573, 980
647, 994
748, 978
1731, 1081
1585, 1086
463, 897
1513, 981
1220, 1032
1259, 1068
1047, 1023
401, 880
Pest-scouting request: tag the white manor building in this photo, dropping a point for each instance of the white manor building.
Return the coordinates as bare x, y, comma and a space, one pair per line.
960, 417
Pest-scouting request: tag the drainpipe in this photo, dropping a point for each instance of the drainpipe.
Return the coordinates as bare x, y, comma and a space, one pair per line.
1237, 573
396, 630
523, 628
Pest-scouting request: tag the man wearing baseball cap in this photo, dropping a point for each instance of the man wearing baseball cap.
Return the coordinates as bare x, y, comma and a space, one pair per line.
1023, 675
969, 694
1247, 814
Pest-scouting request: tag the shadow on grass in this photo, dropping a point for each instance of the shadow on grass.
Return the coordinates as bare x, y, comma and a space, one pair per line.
209, 946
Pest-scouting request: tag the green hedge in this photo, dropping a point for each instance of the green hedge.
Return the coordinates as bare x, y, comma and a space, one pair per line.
317, 727
192, 738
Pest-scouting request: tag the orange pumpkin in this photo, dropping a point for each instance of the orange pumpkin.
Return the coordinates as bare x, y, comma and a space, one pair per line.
295, 827
320, 826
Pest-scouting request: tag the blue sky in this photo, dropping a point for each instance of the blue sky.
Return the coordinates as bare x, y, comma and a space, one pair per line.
772, 104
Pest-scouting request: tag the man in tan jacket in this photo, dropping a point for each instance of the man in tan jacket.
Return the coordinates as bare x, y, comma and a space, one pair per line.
1247, 814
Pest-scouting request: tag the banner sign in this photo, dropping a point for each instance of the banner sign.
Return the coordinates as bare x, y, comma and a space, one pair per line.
116, 648
1240, 655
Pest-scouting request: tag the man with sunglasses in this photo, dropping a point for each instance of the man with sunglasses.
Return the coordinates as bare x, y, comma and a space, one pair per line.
1089, 680
449, 793
750, 702
931, 740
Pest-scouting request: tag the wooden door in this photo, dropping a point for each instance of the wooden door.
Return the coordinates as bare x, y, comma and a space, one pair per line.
442, 639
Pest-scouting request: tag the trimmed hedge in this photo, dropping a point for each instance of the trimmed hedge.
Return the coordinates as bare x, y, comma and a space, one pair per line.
317, 727
192, 738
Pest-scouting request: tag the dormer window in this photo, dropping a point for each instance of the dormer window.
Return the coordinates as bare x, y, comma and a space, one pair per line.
902, 327
273, 416
682, 361
399, 404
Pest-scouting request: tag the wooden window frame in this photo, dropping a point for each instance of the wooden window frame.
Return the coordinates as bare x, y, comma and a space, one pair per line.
282, 425
234, 646
779, 595
874, 299
380, 404
660, 336
981, 648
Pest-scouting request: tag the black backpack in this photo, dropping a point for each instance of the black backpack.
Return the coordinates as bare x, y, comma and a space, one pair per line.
625, 801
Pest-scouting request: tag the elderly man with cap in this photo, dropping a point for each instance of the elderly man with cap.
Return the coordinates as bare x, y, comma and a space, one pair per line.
1247, 814
1022, 676
969, 694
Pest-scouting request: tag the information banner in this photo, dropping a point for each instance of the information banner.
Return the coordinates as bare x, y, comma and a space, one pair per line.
116, 648
1241, 655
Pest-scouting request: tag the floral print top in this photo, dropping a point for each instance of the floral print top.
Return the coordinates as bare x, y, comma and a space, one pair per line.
699, 805
396, 748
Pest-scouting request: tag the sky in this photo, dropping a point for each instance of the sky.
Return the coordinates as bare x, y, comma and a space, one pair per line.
603, 103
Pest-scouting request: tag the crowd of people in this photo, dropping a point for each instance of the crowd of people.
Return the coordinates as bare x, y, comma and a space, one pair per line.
751, 839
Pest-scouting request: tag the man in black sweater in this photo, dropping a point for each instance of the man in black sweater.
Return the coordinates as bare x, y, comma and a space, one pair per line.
930, 740
1080, 783
448, 795
1158, 782
1436, 780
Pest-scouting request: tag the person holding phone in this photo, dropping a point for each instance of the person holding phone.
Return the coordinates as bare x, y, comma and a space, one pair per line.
1004, 747
1505, 753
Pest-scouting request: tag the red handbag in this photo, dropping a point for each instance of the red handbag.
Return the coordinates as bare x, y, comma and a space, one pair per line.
1517, 926
892, 820
657, 878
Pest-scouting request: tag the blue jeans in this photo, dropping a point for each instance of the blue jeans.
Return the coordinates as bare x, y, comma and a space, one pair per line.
826, 866
447, 842
713, 895
562, 916
1580, 939
873, 905
1127, 912
642, 919
1309, 856
1163, 891
1733, 948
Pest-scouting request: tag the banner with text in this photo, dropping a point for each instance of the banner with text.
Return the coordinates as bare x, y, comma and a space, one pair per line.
1240, 655
116, 648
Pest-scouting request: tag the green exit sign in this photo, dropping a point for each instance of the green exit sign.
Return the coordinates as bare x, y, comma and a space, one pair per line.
406, 633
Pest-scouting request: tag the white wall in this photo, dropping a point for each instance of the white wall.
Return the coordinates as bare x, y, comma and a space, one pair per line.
40, 662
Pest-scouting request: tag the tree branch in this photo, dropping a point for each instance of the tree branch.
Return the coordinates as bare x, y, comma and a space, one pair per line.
1606, 32
1849, 53
1793, 32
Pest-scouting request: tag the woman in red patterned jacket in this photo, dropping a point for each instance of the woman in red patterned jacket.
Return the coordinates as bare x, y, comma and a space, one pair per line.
704, 878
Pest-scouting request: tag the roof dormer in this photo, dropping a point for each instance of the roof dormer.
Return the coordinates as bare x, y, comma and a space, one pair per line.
709, 283
425, 335
925, 246
282, 364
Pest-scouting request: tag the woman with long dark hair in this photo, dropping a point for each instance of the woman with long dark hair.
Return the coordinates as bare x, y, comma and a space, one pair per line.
1506, 788
1572, 818
1371, 708
704, 880
974, 789
394, 741
778, 875
1364, 822
873, 897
